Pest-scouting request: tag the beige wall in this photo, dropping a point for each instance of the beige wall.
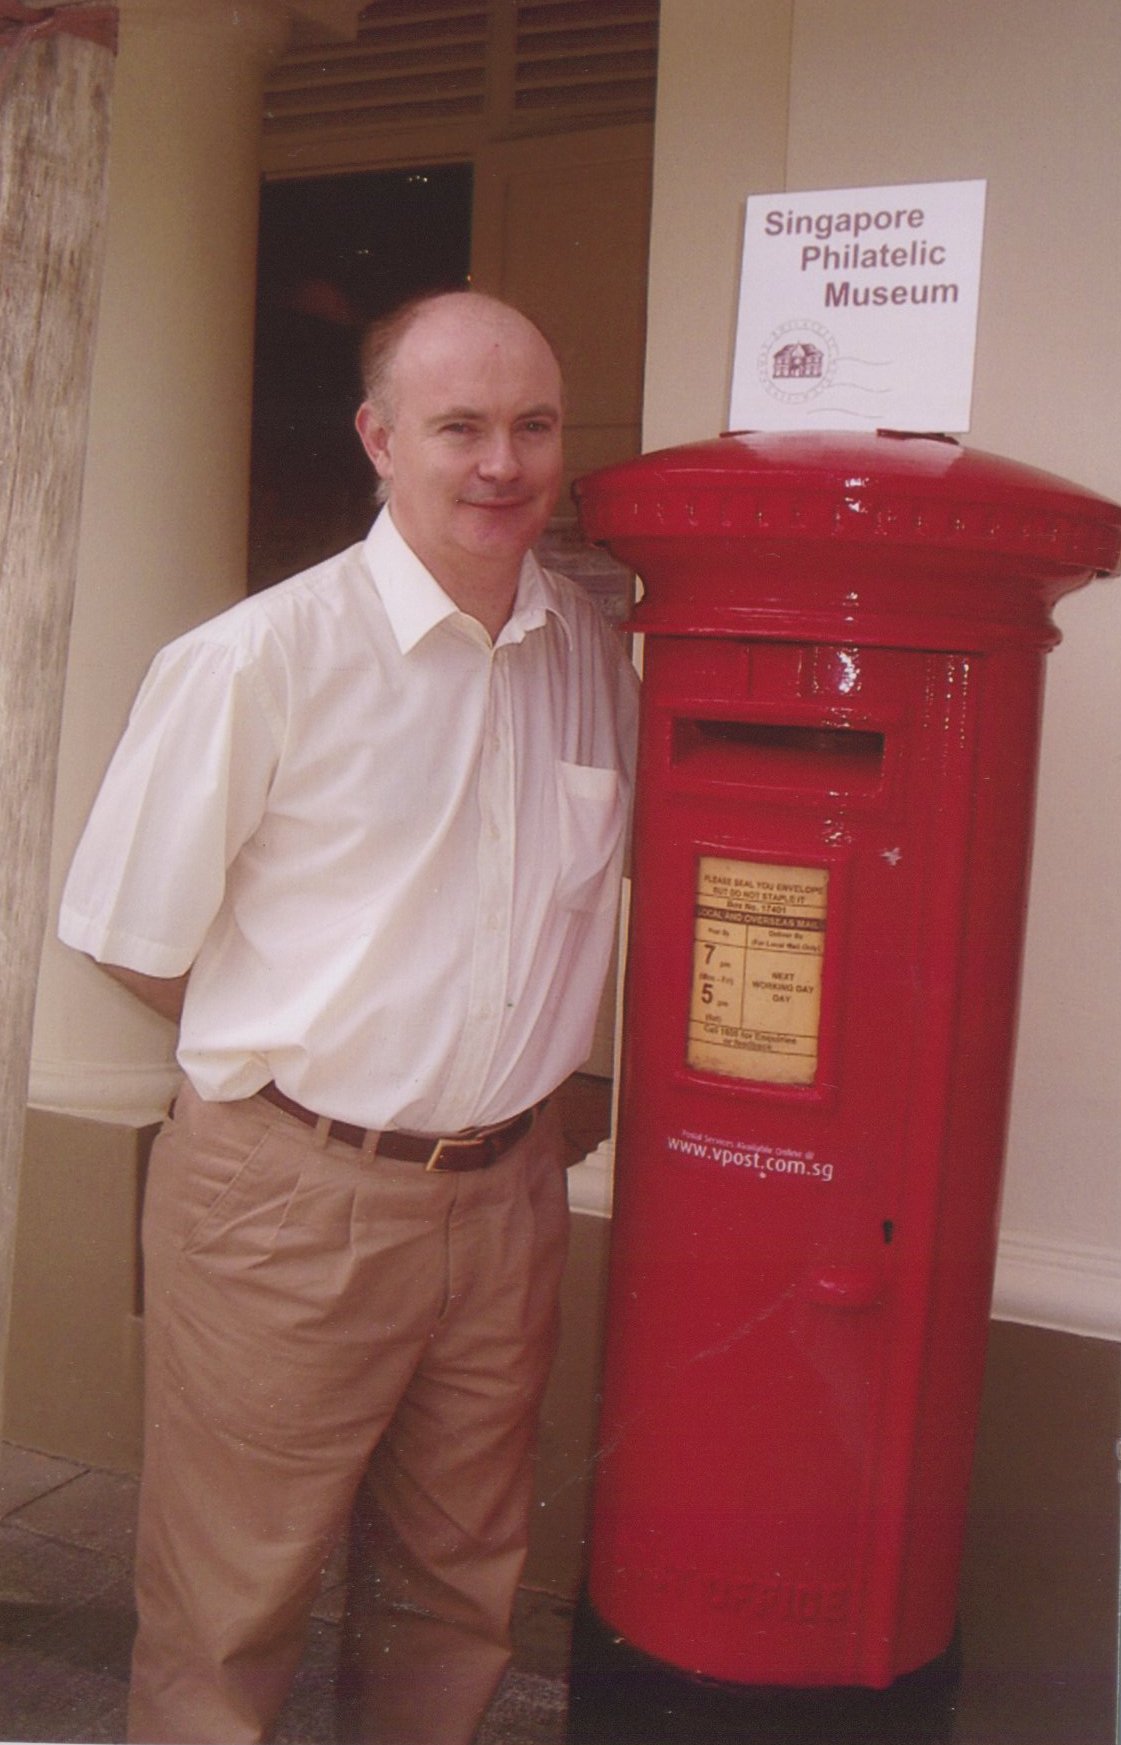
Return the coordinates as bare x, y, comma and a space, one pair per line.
762, 95
74, 1365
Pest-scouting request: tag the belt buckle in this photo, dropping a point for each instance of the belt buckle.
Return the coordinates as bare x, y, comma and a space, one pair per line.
448, 1144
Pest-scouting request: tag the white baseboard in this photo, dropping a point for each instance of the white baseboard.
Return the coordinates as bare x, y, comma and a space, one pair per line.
125, 1096
1070, 1287
589, 1182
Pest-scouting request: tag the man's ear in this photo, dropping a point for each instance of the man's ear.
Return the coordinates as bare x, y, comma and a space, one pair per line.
374, 435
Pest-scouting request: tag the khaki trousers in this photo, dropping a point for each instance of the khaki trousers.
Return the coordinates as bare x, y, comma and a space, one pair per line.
336, 1342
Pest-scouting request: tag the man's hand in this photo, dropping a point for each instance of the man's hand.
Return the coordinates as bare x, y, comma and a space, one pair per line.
162, 994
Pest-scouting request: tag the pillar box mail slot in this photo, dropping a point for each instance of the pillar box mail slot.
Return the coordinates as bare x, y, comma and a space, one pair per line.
844, 648
765, 754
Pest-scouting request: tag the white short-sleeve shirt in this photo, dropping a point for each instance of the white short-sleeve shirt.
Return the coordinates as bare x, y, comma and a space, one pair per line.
388, 850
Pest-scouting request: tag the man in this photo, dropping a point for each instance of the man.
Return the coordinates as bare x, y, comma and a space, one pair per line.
363, 836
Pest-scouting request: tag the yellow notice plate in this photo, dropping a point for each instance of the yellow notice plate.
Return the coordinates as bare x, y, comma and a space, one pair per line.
760, 940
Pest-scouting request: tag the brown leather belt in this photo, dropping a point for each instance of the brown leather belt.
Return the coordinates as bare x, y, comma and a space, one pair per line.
476, 1149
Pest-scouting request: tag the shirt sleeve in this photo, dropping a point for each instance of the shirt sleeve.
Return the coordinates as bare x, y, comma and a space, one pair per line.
187, 786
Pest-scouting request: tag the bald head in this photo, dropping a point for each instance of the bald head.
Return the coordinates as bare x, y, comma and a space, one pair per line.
462, 422
443, 310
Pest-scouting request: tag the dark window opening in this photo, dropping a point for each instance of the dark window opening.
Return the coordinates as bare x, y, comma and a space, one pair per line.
335, 252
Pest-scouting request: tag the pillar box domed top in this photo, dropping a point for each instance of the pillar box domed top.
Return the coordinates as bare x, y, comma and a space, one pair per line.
885, 538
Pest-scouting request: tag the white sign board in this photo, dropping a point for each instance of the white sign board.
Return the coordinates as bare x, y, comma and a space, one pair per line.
858, 309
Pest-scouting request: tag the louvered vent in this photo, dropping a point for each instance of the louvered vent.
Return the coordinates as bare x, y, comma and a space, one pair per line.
414, 62
420, 63
596, 59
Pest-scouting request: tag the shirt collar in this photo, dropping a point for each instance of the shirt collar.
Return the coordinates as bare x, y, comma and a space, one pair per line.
415, 603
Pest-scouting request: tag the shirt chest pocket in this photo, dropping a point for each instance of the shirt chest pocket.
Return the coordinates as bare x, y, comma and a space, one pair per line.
591, 814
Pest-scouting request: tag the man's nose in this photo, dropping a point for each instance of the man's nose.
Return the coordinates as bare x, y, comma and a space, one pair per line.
499, 459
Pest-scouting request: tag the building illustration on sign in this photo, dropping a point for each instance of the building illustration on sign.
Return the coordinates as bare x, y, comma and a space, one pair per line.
797, 361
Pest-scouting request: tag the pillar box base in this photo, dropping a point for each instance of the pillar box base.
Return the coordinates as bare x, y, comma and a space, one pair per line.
620, 1696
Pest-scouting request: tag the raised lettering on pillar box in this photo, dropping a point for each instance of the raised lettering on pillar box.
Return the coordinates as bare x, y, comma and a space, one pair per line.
858, 309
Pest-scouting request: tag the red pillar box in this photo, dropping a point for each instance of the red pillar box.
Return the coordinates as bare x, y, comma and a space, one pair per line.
843, 675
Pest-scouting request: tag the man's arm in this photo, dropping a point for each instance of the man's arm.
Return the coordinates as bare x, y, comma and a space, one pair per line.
163, 994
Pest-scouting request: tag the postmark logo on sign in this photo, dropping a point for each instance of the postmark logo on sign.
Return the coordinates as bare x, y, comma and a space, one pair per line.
798, 362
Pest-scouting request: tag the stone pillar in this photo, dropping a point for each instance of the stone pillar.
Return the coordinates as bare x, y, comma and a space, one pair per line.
54, 123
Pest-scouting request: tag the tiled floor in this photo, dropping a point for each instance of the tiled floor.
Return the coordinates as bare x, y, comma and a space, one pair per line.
66, 1620
65, 1598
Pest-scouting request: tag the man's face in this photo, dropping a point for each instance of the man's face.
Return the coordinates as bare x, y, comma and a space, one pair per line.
470, 445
